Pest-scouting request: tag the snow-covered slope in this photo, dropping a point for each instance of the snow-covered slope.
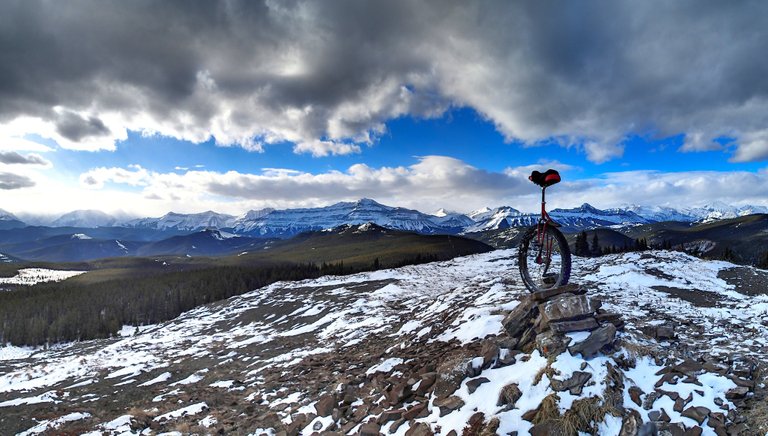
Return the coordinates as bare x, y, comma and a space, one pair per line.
285, 223
187, 222
363, 350
84, 218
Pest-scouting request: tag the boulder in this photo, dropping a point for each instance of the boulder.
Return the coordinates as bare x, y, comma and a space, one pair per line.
390, 415
574, 384
489, 352
597, 339
448, 405
370, 429
578, 325
426, 381
325, 405
397, 393
568, 307
418, 411
551, 343
696, 413
519, 319
737, 393
665, 331
450, 374
634, 394
473, 384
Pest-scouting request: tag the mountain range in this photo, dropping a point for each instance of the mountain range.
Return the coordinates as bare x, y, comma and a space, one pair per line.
270, 223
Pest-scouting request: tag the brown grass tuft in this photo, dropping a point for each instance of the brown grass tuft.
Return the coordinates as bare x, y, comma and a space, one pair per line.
548, 409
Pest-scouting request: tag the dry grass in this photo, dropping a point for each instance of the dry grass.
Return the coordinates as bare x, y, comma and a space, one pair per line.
183, 428
584, 413
548, 409
548, 370
757, 410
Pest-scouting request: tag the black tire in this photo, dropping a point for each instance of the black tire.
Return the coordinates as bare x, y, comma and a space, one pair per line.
541, 276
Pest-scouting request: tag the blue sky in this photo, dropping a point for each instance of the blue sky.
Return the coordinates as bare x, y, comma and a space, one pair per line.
460, 133
303, 105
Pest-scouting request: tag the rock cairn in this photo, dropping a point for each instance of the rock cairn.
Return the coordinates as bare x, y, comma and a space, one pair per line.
542, 319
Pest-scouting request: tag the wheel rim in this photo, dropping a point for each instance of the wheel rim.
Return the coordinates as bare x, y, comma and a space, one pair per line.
536, 272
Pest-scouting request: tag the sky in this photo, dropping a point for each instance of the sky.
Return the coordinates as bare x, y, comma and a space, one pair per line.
143, 107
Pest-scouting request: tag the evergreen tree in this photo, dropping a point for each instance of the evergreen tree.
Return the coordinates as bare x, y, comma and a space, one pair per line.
582, 247
764, 261
595, 248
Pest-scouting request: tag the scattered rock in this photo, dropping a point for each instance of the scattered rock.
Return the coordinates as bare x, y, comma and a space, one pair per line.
473, 384
448, 405
574, 384
418, 411
509, 395
325, 405
737, 393
390, 415
664, 417
546, 428
696, 413
693, 431
506, 358
635, 393
597, 339
451, 373
370, 429
419, 429
489, 352
427, 380
665, 331
551, 343
395, 394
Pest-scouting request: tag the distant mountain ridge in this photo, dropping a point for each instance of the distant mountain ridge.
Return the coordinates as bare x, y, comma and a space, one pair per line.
284, 223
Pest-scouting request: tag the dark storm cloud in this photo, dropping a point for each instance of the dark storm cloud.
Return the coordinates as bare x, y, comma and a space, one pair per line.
260, 72
15, 181
75, 127
12, 157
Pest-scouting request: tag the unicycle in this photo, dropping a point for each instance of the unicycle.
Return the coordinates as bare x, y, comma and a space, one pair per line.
544, 257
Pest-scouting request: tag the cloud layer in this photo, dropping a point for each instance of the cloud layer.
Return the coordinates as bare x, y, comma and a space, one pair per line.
433, 182
327, 76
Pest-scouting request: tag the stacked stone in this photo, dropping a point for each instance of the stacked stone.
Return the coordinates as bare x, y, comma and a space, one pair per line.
542, 319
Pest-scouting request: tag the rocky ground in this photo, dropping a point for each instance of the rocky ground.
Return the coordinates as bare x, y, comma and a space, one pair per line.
457, 347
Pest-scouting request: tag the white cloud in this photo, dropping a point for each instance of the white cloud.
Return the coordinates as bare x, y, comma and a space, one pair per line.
754, 147
21, 144
429, 184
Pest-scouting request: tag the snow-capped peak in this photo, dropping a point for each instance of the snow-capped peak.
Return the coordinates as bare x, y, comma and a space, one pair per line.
84, 218
7, 216
81, 236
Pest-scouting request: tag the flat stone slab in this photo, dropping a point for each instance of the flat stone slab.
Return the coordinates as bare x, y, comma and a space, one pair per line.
568, 308
541, 296
586, 324
596, 340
